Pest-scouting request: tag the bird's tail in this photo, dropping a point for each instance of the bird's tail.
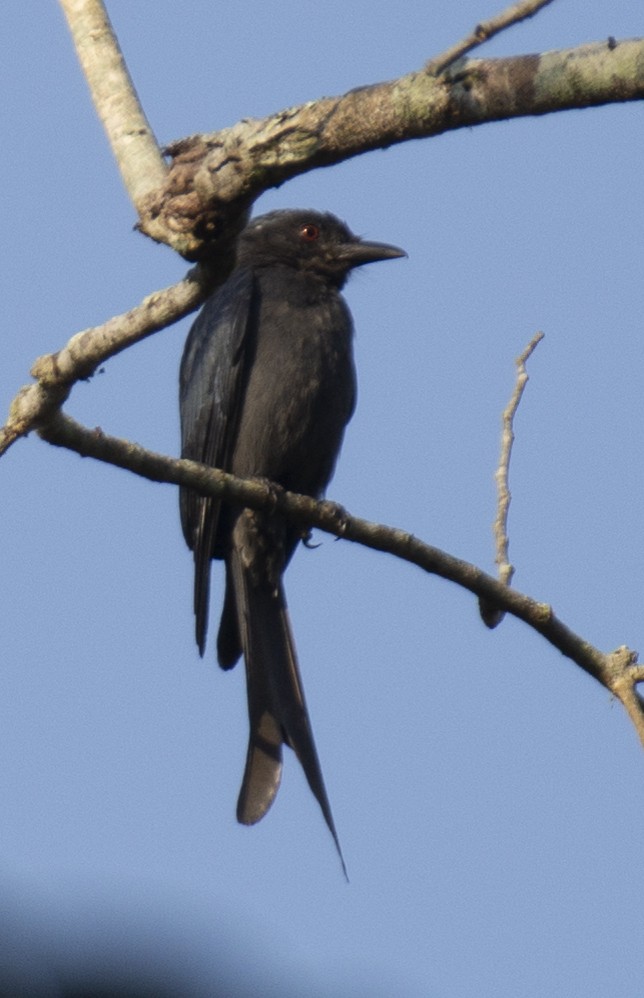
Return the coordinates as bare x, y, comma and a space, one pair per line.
276, 705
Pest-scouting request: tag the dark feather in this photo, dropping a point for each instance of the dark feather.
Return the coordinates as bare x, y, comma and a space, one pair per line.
267, 387
211, 383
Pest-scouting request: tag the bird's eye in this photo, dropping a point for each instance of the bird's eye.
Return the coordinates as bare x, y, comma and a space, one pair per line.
310, 232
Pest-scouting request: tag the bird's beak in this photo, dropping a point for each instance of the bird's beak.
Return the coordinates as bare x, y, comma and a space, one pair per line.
359, 252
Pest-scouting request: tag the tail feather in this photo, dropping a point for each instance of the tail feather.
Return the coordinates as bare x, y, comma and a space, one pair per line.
276, 705
229, 647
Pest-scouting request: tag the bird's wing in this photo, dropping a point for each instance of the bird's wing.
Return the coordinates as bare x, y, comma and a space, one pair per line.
211, 391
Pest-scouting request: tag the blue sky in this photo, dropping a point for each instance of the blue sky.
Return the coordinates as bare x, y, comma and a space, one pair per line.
489, 796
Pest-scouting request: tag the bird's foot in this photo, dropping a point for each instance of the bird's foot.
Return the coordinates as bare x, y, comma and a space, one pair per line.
338, 514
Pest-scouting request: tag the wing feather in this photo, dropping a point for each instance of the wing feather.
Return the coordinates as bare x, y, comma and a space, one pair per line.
211, 389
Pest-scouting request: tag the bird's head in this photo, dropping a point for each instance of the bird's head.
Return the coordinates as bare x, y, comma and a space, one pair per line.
310, 241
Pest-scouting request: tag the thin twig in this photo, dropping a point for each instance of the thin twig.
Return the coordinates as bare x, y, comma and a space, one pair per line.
491, 615
483, 32
137, 152
502, 475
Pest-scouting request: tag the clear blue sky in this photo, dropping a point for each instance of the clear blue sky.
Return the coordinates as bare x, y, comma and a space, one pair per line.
488, 795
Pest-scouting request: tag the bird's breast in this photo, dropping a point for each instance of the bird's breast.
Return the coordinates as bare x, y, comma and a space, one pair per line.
300, 391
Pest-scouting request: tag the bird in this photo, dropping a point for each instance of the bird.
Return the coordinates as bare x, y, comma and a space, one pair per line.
267, 386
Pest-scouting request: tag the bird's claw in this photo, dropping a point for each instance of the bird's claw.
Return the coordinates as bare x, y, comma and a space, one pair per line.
307, 542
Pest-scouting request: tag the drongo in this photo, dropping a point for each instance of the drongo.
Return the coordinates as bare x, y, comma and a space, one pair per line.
267, 386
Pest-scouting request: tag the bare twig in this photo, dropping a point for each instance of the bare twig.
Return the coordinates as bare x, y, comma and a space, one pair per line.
137, 152
491, 615
483, 32
617, 671
502, 475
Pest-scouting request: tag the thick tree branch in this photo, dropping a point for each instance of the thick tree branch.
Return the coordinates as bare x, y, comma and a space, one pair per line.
617, 671
133, 143
215, 175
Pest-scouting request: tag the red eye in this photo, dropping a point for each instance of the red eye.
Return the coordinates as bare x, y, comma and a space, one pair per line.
309, 232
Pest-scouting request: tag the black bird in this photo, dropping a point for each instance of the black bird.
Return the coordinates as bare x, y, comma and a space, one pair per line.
267, 387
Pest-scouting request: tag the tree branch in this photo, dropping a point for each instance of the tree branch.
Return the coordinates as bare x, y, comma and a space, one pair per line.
137, 152
617, 671
483, 32
213, 176
56, 373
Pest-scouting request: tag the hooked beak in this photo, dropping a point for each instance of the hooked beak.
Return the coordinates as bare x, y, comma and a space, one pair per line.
360, 252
